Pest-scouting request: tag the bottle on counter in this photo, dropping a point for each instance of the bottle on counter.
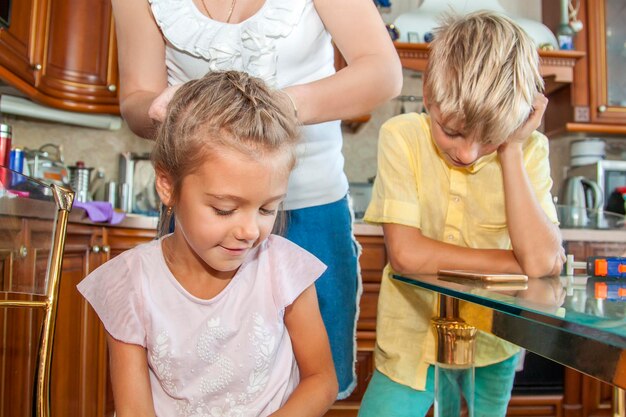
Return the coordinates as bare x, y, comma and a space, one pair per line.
565, 33
5, 144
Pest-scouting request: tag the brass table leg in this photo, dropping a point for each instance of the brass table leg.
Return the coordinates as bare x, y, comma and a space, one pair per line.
454, 371
619, 402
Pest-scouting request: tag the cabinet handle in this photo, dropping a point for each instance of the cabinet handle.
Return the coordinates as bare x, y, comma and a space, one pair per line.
95, 249
23, 251
106, 249
36, 67
112, 88
601, 108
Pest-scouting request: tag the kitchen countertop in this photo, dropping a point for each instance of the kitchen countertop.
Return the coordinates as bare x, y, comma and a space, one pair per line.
137, 221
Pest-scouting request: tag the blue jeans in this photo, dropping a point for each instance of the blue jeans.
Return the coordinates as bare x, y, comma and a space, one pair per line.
326, 232
493, 385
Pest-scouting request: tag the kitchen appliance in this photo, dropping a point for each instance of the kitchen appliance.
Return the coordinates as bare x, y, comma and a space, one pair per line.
587, 151
46, 163
579, 196
137, 190
608, 174
82, 182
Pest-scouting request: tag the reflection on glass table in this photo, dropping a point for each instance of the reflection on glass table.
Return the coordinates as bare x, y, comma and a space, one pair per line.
577, 321
572, 217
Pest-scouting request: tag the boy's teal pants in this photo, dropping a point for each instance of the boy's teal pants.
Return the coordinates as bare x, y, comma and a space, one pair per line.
493, 385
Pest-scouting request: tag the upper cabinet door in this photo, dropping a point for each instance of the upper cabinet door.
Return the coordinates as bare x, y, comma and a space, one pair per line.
20, 43
62, 53
80, 58
607, 56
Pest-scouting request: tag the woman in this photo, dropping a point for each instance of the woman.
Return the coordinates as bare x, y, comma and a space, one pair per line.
164, 43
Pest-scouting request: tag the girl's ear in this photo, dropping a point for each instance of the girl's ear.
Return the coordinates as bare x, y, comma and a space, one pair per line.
165, 188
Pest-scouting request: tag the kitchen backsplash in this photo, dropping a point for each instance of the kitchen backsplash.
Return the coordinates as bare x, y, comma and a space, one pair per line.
97, 148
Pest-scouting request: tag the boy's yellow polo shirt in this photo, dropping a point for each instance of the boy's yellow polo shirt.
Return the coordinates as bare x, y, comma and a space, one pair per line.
464, 206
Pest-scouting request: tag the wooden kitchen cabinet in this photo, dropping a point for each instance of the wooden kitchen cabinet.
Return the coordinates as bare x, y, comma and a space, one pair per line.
372, 261
80, 380
21, 43
607, 60
20, 327
598, 93
79, 360
62, 53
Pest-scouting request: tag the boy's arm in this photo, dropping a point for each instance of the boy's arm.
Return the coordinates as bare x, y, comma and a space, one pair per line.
130, 379
318, 385
410, 252
535, 239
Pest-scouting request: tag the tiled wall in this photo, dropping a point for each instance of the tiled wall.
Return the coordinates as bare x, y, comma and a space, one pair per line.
97, 148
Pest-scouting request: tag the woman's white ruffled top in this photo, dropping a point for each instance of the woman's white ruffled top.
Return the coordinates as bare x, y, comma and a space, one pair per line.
248, 46
285, 43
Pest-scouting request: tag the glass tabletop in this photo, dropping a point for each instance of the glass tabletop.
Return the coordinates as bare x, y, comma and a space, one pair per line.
578, 321
28, 214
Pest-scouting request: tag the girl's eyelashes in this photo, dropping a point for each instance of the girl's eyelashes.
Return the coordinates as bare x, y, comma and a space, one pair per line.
223, 212
263, 211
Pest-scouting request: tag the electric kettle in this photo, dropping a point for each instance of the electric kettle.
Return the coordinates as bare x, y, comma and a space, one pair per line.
581, 196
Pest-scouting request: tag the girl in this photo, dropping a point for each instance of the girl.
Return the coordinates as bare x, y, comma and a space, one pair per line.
219, 318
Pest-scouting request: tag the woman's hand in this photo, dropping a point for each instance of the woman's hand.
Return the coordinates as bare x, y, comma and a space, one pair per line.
158, 108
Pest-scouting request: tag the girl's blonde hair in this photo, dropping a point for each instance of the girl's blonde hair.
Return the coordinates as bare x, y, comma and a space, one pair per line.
483, 74
223, 109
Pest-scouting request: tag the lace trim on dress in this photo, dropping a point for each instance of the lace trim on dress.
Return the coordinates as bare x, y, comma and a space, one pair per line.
247, 46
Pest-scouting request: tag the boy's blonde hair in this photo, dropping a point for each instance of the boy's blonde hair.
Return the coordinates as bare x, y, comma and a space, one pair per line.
483, 74
223, 109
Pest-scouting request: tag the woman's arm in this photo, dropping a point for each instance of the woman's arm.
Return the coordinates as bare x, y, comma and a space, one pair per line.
141, 56
130, 379
318, 386
410, 252
373, 74
535, 239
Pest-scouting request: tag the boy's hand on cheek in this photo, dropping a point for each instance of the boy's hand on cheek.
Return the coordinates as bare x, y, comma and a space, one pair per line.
530, 125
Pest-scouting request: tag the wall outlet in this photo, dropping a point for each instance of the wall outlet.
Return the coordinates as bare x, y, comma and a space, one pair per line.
581, 114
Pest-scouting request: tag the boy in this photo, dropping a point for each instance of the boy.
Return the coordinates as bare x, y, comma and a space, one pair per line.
465, 187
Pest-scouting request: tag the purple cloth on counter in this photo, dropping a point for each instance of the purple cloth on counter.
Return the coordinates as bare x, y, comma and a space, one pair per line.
100, 211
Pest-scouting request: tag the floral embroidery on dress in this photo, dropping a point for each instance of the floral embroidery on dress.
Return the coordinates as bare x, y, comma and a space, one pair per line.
247, 46
264, 342
161, 362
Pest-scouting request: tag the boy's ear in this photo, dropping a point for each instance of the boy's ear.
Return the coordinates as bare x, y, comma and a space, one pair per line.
164, 187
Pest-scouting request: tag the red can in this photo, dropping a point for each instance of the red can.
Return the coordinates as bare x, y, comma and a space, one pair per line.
5, 144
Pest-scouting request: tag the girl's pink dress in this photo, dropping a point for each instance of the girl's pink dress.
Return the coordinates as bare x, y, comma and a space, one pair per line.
227, 356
